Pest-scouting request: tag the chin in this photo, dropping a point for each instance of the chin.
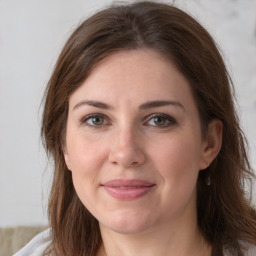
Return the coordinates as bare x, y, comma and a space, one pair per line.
127, 223
128, 228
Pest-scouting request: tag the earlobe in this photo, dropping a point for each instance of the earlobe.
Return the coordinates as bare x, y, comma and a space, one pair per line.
212, 143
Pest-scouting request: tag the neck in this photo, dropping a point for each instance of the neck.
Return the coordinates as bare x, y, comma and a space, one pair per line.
165, 241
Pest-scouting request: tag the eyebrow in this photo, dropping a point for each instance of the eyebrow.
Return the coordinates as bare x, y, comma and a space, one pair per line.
144, 106
93, 103
160, 103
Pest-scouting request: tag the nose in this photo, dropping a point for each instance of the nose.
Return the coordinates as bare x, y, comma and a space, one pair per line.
126, 150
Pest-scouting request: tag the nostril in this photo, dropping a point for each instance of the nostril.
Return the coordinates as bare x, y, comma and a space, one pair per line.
134, 163
126, 155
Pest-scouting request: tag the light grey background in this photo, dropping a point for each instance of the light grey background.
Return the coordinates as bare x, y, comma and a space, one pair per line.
32, 33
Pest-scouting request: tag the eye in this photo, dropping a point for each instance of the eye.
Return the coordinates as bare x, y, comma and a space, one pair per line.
160, 120
94, 120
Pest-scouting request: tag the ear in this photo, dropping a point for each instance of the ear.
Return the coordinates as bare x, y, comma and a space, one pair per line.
212, 143
67, 159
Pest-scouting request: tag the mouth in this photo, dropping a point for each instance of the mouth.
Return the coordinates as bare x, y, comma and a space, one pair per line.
127, 189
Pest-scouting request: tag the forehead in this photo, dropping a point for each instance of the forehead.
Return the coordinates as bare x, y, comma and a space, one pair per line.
134, 76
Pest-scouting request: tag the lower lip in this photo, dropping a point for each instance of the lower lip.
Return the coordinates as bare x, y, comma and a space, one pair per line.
127, 193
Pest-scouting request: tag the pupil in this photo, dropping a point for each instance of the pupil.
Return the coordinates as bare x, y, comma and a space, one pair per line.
159, 121
97, 120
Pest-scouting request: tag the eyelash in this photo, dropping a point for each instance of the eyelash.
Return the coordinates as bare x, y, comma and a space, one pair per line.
168, 120
96, 115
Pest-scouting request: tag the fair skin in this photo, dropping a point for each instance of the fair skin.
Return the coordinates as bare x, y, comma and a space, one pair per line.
134, 147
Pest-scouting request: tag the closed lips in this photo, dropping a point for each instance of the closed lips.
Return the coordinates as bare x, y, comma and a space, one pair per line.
127, 189
128, 183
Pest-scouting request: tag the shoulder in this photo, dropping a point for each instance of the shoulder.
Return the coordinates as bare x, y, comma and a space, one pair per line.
37, 245
248, 250
251, 250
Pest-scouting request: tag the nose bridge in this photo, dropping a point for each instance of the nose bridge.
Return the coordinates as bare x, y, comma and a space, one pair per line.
126, 148
125, 136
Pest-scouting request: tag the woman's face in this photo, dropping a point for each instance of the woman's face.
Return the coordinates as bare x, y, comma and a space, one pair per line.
134, 144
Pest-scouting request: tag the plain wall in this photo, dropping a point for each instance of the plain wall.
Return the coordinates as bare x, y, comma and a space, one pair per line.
32, 33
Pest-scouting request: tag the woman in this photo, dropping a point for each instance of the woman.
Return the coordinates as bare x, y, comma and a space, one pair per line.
149, 156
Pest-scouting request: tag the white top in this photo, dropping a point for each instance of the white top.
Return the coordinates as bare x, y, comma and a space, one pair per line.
39, 243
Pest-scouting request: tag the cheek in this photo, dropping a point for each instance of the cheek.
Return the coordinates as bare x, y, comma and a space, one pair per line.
85, 155
177, 165
178, 162
87, 160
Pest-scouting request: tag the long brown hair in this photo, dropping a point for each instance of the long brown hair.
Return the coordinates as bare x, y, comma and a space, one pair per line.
225, 217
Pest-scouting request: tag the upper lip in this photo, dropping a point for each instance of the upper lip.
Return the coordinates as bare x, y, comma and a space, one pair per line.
127, 183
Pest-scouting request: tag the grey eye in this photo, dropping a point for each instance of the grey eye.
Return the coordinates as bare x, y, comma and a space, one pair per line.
158, 121
161, 120
94, 120
98, 120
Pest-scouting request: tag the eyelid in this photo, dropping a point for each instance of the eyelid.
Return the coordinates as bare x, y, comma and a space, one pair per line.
171, 120
84, 120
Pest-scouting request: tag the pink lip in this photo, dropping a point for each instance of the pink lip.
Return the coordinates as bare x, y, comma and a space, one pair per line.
127, 189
